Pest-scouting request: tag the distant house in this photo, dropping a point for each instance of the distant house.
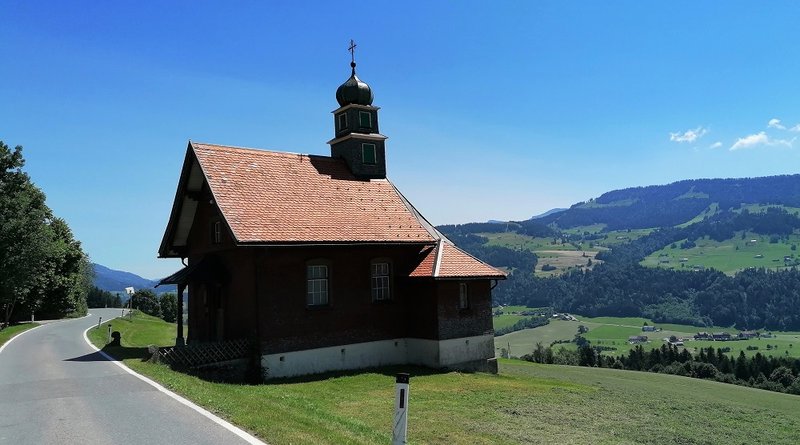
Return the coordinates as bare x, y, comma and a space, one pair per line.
702, 336
637, 339
746, 335
648, 328
721, 336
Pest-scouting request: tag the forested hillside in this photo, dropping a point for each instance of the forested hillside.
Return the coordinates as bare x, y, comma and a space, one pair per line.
676, 203
764, 295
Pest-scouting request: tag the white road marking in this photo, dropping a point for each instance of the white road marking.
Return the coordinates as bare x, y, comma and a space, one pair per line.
17, 336
247, 437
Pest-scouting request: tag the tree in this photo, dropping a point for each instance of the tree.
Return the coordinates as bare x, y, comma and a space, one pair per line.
782, 375
64, 277
24, 237
97, 297
169, 307
146, 301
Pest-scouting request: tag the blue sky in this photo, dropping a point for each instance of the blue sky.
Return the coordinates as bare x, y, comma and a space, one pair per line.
497, 110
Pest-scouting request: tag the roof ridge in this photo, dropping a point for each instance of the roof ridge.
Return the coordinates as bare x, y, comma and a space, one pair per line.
259, 150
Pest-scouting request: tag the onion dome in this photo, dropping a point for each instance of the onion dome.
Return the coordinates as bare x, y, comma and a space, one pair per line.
354, 91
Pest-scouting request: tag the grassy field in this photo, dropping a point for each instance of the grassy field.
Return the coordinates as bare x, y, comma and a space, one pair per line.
511, 315
563, 256
525, 404
711, 210
12, 331
729, 256
515, 240
759, 208
136, 334
614, 332
506, 320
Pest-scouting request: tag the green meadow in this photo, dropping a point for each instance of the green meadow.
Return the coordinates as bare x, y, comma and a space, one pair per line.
525, 403
729, 256
614, 332
550, 251
515, 240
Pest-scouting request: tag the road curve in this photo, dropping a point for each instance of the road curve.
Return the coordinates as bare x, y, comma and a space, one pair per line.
55, 389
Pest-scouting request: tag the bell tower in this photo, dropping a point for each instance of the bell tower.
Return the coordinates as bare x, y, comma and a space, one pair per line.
357, 139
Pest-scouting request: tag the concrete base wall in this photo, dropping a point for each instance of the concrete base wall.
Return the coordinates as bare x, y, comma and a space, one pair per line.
467, 353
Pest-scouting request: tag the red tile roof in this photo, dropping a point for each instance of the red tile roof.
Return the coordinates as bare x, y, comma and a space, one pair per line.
273, 197
445, 260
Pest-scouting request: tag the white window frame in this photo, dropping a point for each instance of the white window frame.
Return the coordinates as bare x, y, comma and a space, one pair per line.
317, 284
381, 280
341, 121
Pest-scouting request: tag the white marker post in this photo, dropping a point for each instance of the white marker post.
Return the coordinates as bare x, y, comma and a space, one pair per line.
130, 291
400, 410
99, 321
109, 334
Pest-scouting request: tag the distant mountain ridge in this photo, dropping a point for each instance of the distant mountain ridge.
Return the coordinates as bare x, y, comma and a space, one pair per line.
676, 203
548, 213
117, 280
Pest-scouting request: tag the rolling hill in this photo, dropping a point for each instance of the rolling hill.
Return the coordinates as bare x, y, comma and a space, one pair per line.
700, 252
117, 280
676, 203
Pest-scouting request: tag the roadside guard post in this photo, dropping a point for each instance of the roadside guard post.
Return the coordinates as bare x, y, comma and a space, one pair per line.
400, 410
99, 321
109, 334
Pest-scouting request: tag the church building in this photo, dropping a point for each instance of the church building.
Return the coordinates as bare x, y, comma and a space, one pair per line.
322, 259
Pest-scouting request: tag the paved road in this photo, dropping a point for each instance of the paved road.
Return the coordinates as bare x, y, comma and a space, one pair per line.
55, 389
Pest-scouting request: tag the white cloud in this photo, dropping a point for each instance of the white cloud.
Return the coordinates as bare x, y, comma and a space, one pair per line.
761, 138
775, 123
717, 144
688, 135
796, 128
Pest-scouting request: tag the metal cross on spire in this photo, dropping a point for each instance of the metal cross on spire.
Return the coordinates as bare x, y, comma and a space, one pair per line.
352, 50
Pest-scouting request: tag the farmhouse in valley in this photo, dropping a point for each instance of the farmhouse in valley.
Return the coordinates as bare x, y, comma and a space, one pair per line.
322, 259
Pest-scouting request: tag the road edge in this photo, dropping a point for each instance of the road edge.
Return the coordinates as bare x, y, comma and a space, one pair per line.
17, 336
247, 437
3, 346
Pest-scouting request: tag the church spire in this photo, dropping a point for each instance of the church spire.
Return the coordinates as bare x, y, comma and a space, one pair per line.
357, 139
354, 90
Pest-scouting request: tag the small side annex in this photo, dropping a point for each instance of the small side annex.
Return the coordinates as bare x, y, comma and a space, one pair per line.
322, 259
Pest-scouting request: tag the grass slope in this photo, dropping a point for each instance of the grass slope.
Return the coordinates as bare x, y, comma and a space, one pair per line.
524, 404
729, 256
614, 332
14, 330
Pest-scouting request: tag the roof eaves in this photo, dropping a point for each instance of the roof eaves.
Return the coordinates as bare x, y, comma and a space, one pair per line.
211, 188
432, 231
169, 231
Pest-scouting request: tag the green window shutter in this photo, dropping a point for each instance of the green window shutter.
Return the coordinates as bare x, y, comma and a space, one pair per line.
364, 119
368, 154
